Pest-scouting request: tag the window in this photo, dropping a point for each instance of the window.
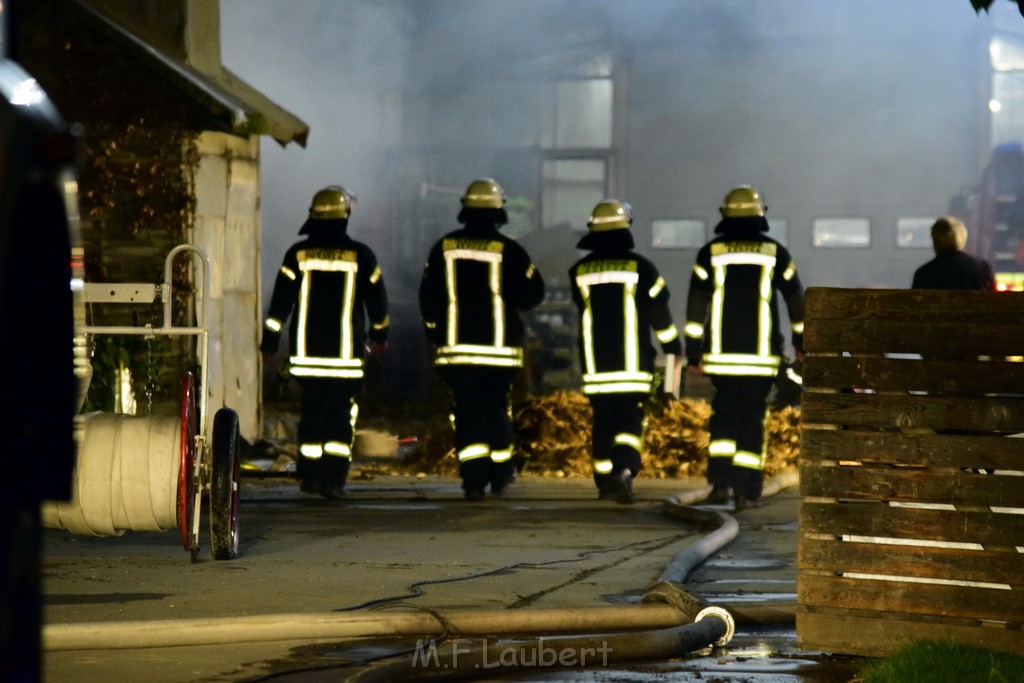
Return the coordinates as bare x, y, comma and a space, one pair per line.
581, 116
577, 134
572, 188
678, 233
1006, 55
914, 232
842, 232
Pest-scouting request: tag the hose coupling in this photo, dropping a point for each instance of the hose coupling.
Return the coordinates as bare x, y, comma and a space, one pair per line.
723, 614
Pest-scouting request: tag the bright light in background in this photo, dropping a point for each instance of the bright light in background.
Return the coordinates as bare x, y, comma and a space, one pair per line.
994, 106
27, 93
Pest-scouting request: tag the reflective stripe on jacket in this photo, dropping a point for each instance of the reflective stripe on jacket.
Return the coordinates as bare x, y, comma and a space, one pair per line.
330, 288
732, 325
621, 299
475, 283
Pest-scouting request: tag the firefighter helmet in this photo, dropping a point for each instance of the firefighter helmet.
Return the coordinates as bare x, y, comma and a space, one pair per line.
484, 193
331, 203
742, 202
610, 214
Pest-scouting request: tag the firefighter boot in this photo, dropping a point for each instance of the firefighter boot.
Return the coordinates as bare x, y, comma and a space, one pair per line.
333, 477
308, 470
623, 488
503, 475
719, 495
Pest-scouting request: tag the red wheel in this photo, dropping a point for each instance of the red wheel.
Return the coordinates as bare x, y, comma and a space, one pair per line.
224, 482
186, 481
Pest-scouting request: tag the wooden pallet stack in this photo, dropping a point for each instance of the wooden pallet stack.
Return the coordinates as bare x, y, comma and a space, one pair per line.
912, 470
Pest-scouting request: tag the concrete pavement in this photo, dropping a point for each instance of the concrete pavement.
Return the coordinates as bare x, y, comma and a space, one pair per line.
396, 543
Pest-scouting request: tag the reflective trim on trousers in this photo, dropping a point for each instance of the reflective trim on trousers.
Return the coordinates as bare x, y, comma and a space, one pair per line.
722, 448
503, 455
603, 466
477, 450
337, 448
749, 460
313, 451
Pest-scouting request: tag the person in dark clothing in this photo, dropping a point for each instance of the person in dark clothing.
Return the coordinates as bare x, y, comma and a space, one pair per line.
475, 284
732, 334
331, 286
621, 298
952, 268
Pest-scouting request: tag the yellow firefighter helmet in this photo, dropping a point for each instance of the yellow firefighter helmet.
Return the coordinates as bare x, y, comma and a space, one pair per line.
741, 202
332, 202
484, 193
610, 214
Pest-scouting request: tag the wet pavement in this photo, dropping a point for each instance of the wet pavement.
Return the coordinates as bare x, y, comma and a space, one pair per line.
408, 544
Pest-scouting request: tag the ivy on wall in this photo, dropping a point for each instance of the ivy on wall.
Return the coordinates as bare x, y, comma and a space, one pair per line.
136, 183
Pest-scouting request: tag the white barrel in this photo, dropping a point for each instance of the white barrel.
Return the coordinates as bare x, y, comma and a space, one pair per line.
126, 477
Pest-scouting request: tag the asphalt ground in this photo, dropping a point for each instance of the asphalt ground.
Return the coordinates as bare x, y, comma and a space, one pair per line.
400, 543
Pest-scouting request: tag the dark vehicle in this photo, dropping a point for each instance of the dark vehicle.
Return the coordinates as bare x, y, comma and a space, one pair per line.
45, 366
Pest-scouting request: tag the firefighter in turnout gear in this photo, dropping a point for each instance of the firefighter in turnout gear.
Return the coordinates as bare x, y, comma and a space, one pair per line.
475, 283
621, 299
331, 287
733, 335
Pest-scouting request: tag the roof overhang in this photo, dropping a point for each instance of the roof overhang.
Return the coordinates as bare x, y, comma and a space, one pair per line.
240, 108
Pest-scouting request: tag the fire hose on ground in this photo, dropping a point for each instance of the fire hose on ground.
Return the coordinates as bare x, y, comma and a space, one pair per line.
460, 660
725, 529
669, 622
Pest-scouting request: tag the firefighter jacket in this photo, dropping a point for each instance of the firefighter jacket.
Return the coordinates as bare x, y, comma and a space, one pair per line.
475, 283
621, 298
732, 313
330, 285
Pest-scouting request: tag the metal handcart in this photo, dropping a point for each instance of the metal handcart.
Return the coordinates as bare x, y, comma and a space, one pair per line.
152, 472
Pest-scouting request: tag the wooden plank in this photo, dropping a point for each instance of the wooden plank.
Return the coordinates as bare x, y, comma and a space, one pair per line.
977, 414
879, 519
982, 400
934, 339
966, 307
909, 598
935, 450
942, 377
981, 566
868, 634
905, 484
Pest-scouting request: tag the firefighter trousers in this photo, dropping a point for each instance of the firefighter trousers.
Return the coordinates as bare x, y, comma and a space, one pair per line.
327, 418
617, 440
483, 424
738, 420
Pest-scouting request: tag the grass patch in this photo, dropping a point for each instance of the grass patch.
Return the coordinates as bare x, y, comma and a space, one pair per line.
942, 662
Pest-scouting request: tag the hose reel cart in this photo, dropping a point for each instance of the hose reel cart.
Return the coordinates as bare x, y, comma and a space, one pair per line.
151, 473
